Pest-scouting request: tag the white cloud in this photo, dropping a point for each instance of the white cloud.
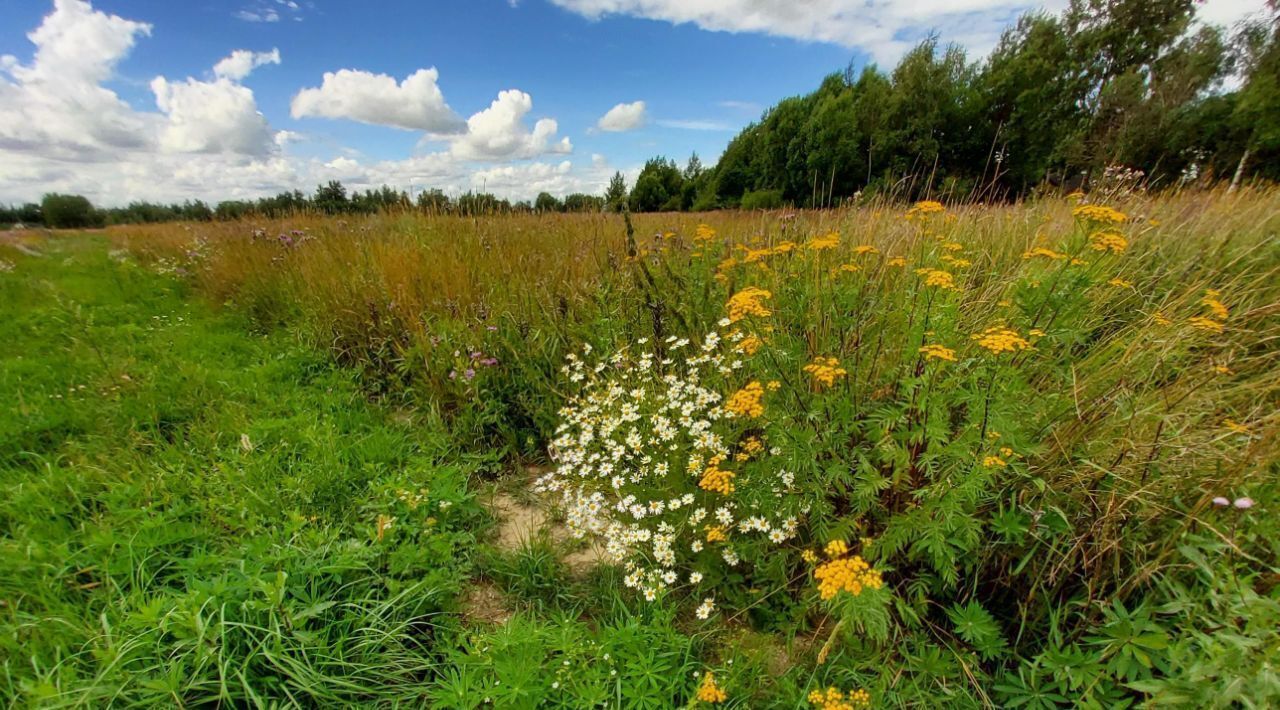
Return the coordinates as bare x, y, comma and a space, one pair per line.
623, 117
218, 116
695, 125
499, 133
884, 28
57, 104
242, 61
747, 106
269, 11
414, 104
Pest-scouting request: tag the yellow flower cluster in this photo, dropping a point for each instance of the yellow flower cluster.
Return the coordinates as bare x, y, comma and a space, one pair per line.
749, 345
994, 462
849, 268
1216, 307
1202, 323
926, 207
1099, 214
747, 402
1001, 340
937, 277
865, 249
836, 548
1120, 283
938, 352
709, 692
1108, 240
850, 574
716, 533
1235, 426
704, 233
1046, 253
809, 556
825, 370
716, 479
953, 246
956, 261
751, 256
834, 699
896, 261
748, 302
828, 241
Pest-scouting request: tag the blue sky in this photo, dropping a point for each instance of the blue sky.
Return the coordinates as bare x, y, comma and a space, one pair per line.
119, 99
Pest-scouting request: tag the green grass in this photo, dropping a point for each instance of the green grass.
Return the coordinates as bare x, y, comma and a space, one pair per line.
188, 512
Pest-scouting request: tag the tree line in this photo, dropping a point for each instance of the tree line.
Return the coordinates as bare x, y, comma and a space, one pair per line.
61, 211
1132, 83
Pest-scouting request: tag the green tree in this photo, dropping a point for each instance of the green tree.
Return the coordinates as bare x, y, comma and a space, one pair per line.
69, 212
547, 202
615, 196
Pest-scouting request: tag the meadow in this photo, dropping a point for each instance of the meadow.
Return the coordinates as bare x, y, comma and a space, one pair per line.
960, 455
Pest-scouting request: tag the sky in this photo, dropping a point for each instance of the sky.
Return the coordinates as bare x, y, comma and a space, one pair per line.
166, 100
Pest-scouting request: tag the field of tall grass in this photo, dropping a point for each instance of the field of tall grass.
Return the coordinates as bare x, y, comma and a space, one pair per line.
892, 455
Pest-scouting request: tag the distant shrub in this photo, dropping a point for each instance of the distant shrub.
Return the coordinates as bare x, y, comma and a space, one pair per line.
762, 200
69, 212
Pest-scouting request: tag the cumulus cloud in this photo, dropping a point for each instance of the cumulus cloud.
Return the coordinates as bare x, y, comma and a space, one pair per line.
56, 103
217, 116
623, 117
499, 133
414, 104
242, 61
883, 28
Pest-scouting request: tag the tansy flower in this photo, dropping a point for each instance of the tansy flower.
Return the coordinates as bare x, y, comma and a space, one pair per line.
1216, 307
1099, 214
1120, 283
829, 241
896, 261
1202, 323
850, 268
834, 699
709, 692
809, 556
836, 548
1000, 340
746, 402
1160, 318
926, 207
953, 246
865, 249
849, 574
1043, 252
1222, 370
937, 277
717, 480
1108, 240
994, 462
1235, 426
938, 352
716, 533
704, 233
825, 370
749, 345
748, 302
